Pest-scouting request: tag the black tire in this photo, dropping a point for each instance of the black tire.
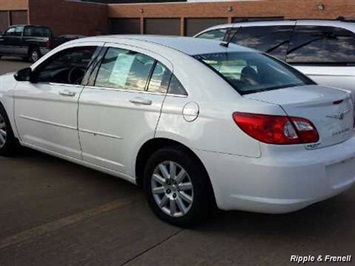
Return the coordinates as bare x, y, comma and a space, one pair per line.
203, 203
34, 54
10, 145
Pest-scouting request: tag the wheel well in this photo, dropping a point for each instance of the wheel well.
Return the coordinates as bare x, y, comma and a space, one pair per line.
152, 146
32, 47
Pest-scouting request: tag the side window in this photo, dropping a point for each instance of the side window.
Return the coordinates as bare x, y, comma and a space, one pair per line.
316, 44
213, 34
175, 87
159, 81
18, 31
28, 31
68, 66
273, 40
124, 69
10, 32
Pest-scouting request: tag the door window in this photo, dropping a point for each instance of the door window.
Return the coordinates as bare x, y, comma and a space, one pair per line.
159, 82
11, 32
325, 45
124, 69
68, 66
273, 40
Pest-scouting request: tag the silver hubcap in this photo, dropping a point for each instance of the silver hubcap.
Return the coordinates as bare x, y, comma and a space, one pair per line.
35, 56
2, 131
172, 189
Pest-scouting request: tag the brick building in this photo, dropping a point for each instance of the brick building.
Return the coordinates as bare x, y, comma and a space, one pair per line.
181, 18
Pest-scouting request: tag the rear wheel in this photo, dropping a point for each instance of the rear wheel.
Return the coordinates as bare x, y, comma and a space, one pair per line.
177, 187
8, 142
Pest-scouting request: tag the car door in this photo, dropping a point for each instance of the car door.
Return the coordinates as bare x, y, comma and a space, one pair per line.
8, 41
325, 53
121, 108
46, 107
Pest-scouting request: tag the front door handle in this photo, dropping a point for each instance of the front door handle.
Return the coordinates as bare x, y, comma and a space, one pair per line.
67, 93
141, 101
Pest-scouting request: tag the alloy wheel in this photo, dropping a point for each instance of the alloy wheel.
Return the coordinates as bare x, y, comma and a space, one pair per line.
3, 132
172, 189
34, 56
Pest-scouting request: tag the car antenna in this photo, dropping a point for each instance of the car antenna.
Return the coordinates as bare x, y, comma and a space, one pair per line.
226, 44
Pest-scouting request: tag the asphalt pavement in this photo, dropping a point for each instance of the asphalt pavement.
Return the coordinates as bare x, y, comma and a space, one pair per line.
53, 212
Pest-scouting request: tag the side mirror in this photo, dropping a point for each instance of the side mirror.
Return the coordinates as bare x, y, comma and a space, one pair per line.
24, 74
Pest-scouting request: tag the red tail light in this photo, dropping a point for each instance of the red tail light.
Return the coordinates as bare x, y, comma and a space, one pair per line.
277, 129
49, 44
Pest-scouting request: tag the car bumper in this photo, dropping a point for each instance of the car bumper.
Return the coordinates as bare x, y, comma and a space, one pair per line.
283, 183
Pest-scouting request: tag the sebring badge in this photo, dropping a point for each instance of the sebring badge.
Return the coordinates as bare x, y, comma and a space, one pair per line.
339, 116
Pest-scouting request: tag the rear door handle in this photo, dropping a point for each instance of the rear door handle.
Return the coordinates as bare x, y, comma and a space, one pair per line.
67, 93
141, 101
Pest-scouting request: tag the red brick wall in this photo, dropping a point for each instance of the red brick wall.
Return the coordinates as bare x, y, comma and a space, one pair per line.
65, 17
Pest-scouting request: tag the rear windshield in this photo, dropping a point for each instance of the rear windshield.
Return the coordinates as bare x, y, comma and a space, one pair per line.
250, 72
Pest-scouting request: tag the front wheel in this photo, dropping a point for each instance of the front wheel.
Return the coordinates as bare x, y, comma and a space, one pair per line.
8, 142
34, 54
177, 187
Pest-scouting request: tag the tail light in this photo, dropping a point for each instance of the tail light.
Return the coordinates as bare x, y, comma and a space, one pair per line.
49, 44
277, 129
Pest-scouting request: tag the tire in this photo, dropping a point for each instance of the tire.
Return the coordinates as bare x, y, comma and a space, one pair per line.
184, 200
8, 142
34, 54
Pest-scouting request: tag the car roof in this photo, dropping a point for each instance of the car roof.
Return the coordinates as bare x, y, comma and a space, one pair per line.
335, 23
186, 45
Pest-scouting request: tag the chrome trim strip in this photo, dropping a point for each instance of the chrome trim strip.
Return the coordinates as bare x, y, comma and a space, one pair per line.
48, 122
100, 134
134, 91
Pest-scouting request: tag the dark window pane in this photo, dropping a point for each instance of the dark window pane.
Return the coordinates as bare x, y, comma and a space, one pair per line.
213, 34
159, 81
68, 66
314, 45
124, 69
273, 40
175, 87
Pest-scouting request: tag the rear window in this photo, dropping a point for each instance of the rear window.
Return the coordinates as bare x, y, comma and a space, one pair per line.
250, 72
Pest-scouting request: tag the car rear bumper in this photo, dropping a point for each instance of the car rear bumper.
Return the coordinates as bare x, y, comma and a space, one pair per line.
280, 184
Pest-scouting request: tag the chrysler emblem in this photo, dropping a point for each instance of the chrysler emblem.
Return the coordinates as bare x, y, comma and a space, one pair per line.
339, 116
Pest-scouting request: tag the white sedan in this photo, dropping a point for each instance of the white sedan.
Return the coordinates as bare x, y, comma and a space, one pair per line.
196, 123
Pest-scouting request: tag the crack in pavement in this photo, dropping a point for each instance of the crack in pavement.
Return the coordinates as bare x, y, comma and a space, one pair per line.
42, 230
152, 247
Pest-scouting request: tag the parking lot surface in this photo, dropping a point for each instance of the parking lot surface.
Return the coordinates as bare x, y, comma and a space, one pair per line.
53, 212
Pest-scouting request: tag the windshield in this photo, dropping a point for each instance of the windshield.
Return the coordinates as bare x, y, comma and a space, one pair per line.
250, 72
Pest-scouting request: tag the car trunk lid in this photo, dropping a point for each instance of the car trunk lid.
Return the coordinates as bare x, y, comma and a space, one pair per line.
330, 110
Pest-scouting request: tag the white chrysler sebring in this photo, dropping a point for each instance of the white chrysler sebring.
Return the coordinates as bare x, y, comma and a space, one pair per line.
196, 123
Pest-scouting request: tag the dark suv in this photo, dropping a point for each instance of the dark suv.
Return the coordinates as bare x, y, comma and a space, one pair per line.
27, 41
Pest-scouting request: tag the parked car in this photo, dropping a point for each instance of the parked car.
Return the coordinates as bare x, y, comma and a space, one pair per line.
198, 125
27, 41
324, 50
